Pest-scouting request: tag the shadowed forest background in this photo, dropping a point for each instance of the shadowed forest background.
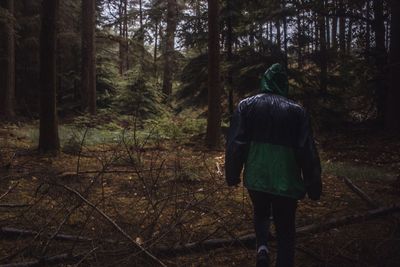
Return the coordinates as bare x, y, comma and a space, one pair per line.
113, 118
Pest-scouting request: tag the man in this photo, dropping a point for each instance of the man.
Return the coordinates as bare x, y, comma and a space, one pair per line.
271, 137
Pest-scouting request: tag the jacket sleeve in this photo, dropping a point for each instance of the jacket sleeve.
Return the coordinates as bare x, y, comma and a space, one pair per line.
308, 159
236, 148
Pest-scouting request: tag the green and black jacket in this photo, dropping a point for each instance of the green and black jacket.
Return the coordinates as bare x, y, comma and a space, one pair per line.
271, 137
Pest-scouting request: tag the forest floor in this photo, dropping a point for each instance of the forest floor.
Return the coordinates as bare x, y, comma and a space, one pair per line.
111, 190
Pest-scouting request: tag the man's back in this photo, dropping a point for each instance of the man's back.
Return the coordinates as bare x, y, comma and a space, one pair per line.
271, 126
272, 119
271, 137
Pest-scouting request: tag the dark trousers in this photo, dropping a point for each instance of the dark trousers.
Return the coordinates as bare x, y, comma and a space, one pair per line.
284, 214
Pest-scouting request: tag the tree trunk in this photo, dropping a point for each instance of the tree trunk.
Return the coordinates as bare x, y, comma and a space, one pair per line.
285, 39
342, 28
278, 34
271, 34
123, 34
299, 41
311, 36
214, 90
322, 51
380, 60
387, 32
89, 55
334, 28
7, 97
48, 135
155, 49
251, 36
316, 37
229, 39
169, 47
368, 30
328, 33
392, 121
141, 35
349, 36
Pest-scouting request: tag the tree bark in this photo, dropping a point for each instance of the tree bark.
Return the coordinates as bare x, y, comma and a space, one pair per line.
328, 33
278, 34
285, 39
349, 36
368, 29
229, 42
380, 60
214, 90
155, 49
334, 28
7, 97
342, 28
271, 34
311, 35
123, 33
316, 30
322, 50
48, 132
387, 32
392, 121
89, 55
251, 36
141, 35
299, 41
169, 47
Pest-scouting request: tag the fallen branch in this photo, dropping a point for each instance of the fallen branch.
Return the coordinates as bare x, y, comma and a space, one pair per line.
8, 191
359, 192
249, 240
242, 241
116, 226
12, 232
62, 258
347, 220
11, 205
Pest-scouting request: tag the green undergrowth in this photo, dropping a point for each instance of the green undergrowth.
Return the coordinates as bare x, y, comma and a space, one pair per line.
357, 172
113, 129
177, 127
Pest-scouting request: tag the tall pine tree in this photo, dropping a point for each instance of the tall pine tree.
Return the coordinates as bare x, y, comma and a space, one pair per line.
48, 135
214, 87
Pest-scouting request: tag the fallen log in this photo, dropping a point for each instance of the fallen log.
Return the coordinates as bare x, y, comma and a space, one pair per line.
249, 240
359, 192
11, 205
62, 258
14, 232
347, 220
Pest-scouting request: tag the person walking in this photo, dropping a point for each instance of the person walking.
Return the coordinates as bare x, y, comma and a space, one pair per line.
270, 136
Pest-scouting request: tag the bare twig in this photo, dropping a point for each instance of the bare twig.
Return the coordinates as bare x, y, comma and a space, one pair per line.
116, 226
359, 192
8, 191
80, 151
85, 256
